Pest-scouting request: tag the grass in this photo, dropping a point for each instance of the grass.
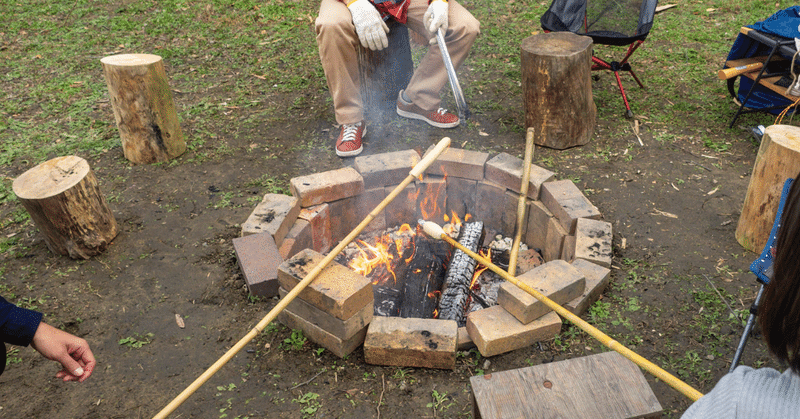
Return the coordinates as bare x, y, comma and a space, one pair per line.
246, 73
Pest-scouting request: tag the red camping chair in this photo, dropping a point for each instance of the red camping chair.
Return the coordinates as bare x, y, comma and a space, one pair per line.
607, 22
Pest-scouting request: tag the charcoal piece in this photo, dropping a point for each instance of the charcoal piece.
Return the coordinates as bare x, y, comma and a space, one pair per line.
455, 294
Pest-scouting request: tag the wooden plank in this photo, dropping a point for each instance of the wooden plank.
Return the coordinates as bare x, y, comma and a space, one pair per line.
768, 82
602, 386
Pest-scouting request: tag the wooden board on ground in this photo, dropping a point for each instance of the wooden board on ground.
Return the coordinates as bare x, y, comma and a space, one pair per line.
602, 386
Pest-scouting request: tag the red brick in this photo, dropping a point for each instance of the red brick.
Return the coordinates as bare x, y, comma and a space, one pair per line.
381, 170
459, 163
341, 329
365, 203
494, 331
538, 221
403, 208
337, 290
568, 249
344, 218
327, 186
506, 170
567, 203
258, 259
597, 278
298, 238
431, 199
464, 341
554, 242
275, 214
321, 337
461, 196
593, 241
556, 280
425, 343
496, 208
319, 216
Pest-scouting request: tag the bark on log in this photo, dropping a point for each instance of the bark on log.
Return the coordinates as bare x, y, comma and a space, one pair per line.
455, 295
557, 87
778, 159
143, 108
384, 73
63, 199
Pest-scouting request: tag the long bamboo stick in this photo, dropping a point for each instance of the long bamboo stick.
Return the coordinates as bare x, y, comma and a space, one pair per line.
435, 231
415, 172
523, 198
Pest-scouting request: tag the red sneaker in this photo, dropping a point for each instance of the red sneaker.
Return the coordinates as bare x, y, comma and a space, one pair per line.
349, 142
439, 118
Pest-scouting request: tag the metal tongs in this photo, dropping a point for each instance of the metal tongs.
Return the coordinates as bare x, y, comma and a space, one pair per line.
463, 111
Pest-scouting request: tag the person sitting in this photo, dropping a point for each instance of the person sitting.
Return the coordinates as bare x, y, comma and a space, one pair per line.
767, 393
23, 327
341, 27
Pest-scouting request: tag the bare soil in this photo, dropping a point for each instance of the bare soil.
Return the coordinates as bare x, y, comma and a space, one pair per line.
674, 207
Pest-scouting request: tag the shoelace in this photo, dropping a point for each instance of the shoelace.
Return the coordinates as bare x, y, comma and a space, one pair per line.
350, 131
441, 111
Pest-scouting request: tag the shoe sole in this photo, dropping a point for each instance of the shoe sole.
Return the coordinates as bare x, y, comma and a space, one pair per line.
354, 152
411, 115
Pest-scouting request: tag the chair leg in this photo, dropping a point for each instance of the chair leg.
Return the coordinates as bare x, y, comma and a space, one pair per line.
628, 112
747, 328
630, 70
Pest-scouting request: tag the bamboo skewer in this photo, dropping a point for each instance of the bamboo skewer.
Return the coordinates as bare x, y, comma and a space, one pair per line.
415, 172
435, 231
523, 197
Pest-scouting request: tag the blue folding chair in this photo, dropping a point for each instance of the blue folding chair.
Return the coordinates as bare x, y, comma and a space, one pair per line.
762, 268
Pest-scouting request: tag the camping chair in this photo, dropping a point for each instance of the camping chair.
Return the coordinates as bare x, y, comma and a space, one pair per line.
607, 22
762, 268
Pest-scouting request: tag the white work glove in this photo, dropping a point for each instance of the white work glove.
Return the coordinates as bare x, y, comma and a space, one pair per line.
371, 29
436, 16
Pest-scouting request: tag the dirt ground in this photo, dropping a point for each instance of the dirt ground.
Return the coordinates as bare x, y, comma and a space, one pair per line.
674, 207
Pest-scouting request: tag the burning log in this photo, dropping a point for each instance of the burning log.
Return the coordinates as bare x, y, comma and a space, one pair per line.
424, 277
458, 279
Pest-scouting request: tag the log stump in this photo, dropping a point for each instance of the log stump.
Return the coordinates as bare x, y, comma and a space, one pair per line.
778, 159
384, 73
64, 201
143, 108
557, 87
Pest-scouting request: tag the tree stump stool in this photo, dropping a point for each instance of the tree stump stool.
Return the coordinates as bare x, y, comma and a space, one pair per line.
143, 108
63, 199
778, 159
557, 88
384, 73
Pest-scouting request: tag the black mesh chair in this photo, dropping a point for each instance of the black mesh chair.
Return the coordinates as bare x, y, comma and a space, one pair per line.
607, 22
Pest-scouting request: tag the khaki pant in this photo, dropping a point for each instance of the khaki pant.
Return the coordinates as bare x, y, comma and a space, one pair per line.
338, 43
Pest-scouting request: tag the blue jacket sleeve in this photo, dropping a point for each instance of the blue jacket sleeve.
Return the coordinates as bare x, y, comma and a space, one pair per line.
17, 325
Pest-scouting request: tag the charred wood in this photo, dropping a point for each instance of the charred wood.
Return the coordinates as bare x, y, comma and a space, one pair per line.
455, 294
424, 277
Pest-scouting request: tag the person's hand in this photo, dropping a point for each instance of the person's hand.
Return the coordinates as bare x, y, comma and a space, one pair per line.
436, 16
371, 29
70, 351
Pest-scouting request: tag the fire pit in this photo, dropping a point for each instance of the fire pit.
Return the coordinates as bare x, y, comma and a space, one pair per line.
339, 310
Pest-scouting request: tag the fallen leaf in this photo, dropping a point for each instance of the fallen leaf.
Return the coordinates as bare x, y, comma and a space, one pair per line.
713, 191
179, 321
483, 134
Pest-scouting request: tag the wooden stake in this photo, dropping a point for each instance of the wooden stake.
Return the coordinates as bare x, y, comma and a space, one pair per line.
415, 172
523, 198
64, 201
143, 108
435, 231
